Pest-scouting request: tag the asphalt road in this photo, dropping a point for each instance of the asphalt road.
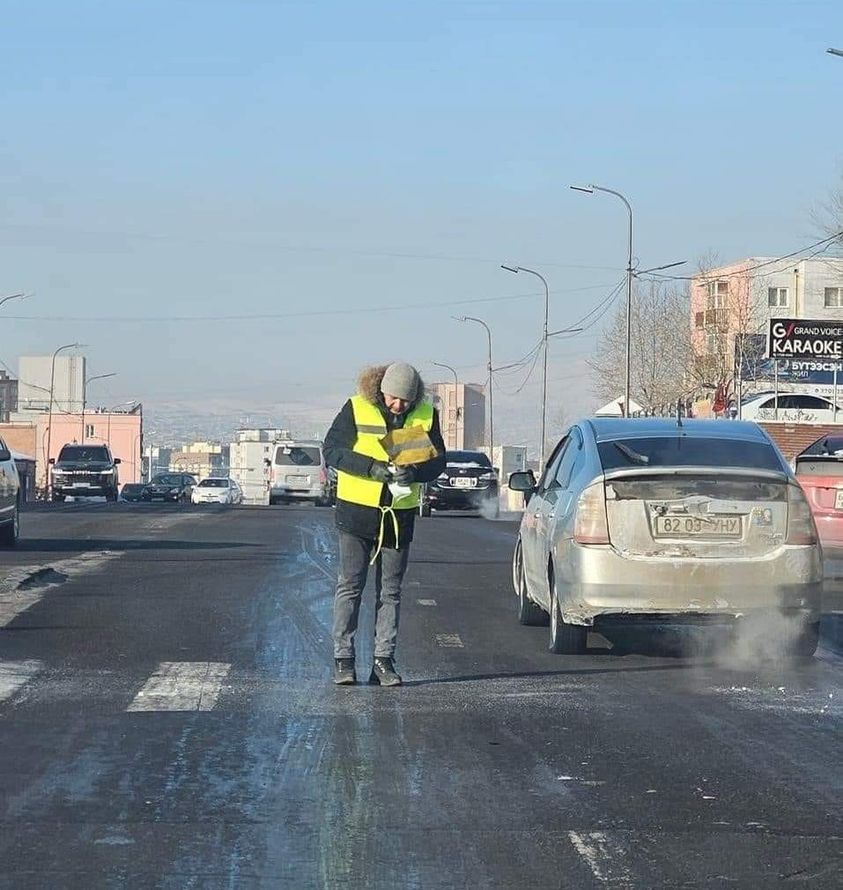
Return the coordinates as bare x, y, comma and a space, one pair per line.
167, 720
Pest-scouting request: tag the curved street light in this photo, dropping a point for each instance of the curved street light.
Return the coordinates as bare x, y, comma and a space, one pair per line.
456, 396
85, 396
589, 190
489, 365
49, 479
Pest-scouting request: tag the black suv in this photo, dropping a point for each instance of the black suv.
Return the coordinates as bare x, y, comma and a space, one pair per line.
84, 471
469, 482
169, 487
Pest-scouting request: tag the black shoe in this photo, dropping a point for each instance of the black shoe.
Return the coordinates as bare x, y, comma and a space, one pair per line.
383, 672
344, 672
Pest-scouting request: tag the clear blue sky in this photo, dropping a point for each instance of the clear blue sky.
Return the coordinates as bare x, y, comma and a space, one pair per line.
261, 157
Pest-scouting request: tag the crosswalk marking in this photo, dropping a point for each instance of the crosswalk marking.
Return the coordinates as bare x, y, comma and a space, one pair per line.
182, 686
449, 641
14, 674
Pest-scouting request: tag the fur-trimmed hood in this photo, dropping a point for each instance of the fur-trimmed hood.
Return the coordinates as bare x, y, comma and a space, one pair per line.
369, 386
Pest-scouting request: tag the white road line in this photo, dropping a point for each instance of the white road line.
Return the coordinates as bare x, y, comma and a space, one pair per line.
595, 848
426, 602
182, 686
14, 601
14, 674
449, 641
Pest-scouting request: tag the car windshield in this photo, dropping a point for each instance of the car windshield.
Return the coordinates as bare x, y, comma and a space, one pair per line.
214, 483
471, 458
84, 452
687, 451
164, 479
297, 456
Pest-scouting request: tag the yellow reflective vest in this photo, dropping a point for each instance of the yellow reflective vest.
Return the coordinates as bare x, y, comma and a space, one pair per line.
371, 428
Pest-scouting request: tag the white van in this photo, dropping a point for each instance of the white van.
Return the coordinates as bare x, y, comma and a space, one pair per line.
298, 472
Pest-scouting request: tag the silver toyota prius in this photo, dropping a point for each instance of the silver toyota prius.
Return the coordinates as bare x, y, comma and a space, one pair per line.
659, 519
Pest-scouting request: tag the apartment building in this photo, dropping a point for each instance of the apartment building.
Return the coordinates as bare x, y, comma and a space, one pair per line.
462, 414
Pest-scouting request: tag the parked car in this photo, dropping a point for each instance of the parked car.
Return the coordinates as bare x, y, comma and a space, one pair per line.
84, 471
9, 497
819, 469
299, 473
169, 487
132, 492
793, 407
655, 520
468, 482
217, 491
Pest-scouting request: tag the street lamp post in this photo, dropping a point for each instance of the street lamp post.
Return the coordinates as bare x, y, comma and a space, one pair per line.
543, 280
629, 274
13, 297
456, 397
835, 52
489, 366
85, 397
49, 486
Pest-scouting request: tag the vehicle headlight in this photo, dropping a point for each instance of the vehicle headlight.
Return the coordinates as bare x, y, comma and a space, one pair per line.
174, 491
442, 477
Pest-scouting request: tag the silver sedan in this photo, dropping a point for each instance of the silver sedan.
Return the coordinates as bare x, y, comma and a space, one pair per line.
658, 519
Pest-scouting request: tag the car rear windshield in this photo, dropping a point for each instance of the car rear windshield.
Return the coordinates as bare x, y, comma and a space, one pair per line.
468, 457
166, 480
687, 451
297, 456
827, 447
214, 483
84, 452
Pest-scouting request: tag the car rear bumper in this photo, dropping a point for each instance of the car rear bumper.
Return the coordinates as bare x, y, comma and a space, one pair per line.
306, 494
82, 491
459, 498
597, 580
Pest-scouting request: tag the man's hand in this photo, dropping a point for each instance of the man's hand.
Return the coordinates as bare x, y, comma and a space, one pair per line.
404, 475
379, 471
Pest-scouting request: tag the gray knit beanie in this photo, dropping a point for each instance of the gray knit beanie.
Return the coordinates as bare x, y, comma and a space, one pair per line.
402, 381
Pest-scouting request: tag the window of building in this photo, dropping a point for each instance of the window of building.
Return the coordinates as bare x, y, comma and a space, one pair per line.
713, 342
718, 291
89, 431
833, 298
777, 297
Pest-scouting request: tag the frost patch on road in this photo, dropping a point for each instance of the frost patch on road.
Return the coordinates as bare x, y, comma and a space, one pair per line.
601, 854
14, 674
24, 586
781, 699
449, 641
182, 686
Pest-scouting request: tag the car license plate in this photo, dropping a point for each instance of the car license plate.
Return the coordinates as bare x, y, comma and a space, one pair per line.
298, 480
463, 482
694, 527
838, 500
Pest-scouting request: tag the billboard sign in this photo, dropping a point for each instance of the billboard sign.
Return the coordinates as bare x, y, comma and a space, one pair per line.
753, 365
803, 338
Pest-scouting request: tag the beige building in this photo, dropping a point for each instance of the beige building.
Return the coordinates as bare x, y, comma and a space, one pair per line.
200, 459
462, 414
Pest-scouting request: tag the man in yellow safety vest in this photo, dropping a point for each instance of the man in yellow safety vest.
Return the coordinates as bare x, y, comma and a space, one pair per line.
378, 496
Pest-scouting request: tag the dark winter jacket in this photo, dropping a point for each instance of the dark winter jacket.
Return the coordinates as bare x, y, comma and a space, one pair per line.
356, 519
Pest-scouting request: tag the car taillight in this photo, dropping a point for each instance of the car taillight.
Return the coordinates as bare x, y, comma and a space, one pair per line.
591, 525
801, 528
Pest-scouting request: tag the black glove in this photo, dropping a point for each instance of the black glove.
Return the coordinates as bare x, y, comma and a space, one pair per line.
380, 472
404, 475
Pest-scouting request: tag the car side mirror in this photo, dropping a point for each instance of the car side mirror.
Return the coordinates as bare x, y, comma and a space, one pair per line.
51, 461
5, 454
524, 482
116, 461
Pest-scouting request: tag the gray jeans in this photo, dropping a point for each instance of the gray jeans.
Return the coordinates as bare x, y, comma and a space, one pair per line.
390, 567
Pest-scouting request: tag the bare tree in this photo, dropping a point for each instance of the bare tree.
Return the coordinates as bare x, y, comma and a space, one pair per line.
827, 216
661, 347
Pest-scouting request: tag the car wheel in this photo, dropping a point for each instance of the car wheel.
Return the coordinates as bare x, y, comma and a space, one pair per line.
58, 498
805, 645
10, 532
111, 496
565, 639
529, 613
425, 510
